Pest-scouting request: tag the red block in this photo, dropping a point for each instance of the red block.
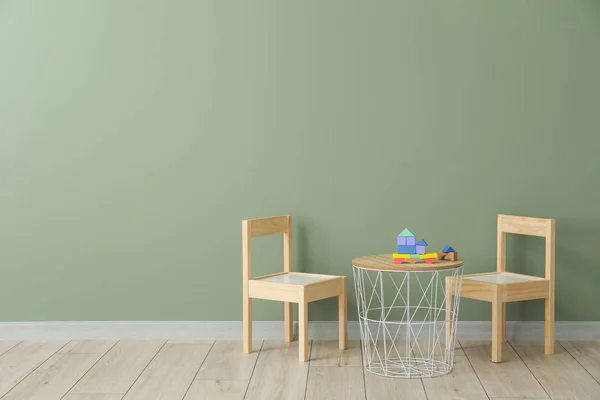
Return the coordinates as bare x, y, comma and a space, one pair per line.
398, 260
430, 260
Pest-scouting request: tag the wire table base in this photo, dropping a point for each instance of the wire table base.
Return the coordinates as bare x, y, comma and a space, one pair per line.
408, 320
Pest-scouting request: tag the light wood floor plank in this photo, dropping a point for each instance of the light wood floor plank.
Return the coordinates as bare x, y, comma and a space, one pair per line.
93, 397
19, 361
226, 360
460, 383
170, 373
335, 383
326, 353
510, 378
119, 368
519, 398
54, 377
88, 346
380, 387
560, 374
44, 370
278, 374
217, 390
6, 345
587, 353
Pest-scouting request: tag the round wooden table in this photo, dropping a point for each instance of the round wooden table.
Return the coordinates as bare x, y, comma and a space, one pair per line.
385, 262
407, 315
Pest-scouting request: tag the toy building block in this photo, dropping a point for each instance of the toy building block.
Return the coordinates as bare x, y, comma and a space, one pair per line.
406, 232
417, 256
407, 249
448, 249
396, 255
413, 260
451, 256
429, 255
401, 241
399, 258
421, 247
410, 240
430, 260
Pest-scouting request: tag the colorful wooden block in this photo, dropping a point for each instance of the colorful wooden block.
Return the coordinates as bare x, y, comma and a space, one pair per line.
396, 255
428, 255
406, 232
421, 247
448, 249
430, 260
410, 241
415, 256
412, 260
398, 260
451, 256
407, 249
401, 241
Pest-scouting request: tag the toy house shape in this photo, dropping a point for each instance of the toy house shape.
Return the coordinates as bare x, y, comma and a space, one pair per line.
406, 238
406, 242
422, 247
448, 249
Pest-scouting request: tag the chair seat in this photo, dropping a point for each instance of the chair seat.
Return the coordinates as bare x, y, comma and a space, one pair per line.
500, 278
296, 287
297, 278
509, 286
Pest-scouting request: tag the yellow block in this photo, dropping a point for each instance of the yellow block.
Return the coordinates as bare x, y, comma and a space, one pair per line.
396, 255
428, 255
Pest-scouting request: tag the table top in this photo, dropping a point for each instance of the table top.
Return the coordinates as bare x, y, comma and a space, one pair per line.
385, 262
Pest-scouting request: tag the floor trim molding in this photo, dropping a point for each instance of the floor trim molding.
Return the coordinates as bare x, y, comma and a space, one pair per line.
262, 330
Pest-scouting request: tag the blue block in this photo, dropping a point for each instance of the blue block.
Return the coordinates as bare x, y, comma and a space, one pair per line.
421, 249
410, 240
407, 249
448, 249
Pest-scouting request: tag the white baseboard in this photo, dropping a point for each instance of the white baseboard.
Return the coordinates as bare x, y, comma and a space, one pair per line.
262, 330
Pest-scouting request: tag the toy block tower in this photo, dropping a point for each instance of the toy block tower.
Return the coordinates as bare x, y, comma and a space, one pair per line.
406, 242
422, 247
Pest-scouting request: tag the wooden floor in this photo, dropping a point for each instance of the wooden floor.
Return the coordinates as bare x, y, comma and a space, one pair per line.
180, 370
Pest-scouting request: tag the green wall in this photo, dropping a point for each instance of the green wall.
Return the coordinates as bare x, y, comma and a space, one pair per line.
136, 135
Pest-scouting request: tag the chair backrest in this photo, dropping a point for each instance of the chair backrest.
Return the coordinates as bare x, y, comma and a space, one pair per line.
262, 227
527, 226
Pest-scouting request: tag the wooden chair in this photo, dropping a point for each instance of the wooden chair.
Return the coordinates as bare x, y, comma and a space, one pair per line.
502, 287
287, 286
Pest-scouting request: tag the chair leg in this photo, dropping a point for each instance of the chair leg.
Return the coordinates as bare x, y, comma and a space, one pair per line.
247, 325
503, 322
549, 326
497, 307
288, 318
343, 317
303, 330
449, 320
449, 309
